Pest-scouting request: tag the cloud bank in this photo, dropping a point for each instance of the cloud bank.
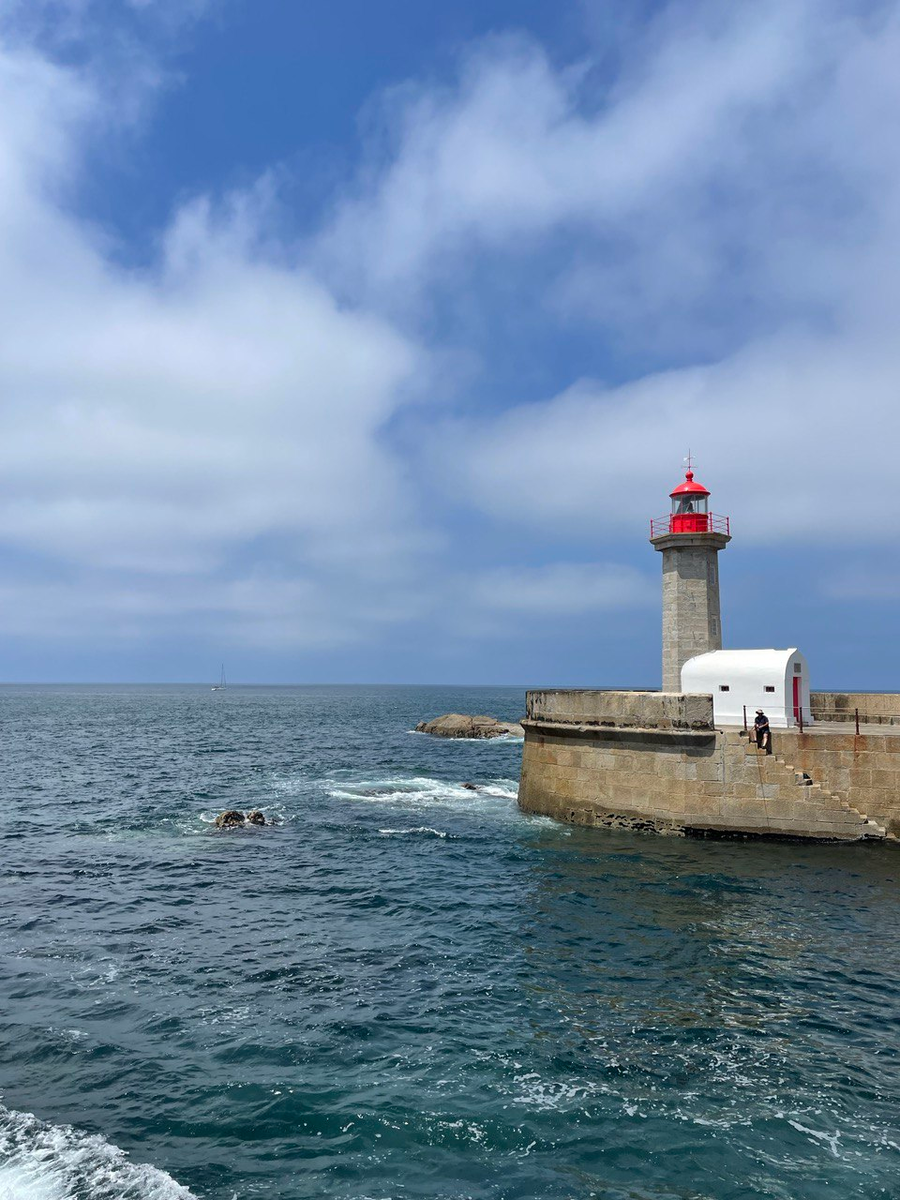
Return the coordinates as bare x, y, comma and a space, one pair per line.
731, 197
261, 441
200, 437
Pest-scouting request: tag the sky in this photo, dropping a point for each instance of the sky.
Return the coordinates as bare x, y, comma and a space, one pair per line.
359, 340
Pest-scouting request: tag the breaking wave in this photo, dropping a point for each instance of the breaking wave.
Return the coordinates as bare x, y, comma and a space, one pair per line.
39, 1161
420, 791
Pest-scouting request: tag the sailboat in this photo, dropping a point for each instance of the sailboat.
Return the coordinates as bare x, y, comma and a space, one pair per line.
220, 686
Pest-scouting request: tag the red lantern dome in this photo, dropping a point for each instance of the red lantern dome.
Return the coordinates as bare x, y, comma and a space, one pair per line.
689, 507
689, 487
690, 511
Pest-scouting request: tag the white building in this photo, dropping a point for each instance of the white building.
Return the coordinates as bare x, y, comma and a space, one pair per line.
777, 681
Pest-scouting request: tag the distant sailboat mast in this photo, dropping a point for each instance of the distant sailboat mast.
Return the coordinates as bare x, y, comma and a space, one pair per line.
218, 687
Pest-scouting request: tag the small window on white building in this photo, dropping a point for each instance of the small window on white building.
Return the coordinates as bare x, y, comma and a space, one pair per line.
797, 668
770, 689
723, 687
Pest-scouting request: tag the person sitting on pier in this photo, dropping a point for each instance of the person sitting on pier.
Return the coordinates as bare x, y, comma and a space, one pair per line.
762, 731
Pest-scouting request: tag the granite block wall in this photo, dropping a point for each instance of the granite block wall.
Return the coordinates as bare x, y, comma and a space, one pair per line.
642, 710
654, 761
863, 770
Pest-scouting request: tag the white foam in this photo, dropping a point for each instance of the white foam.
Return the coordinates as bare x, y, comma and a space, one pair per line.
39, 1161
831, 1140
17, 1182
536, 1093
419, 791
68, 1035
422, 829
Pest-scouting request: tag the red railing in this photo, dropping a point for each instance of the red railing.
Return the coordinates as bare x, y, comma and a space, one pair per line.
690, 523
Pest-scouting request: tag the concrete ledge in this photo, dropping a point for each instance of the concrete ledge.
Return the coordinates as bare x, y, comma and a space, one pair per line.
684, 540
619, 734
630, 710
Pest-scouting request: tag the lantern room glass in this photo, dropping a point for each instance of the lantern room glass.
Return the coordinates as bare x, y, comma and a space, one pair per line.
682, 505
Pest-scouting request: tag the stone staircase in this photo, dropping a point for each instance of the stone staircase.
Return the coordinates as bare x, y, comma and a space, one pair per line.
816, 792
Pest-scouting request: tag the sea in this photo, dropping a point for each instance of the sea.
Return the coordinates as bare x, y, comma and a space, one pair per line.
403, 987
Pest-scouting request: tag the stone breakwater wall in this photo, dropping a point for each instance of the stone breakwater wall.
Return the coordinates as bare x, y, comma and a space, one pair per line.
621, 710
655, 761
863, 770
874, 708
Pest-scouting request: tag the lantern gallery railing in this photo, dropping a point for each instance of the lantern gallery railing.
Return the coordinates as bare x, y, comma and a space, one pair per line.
690, 523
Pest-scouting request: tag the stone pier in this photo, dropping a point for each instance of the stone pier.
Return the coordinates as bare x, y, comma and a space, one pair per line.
656, 761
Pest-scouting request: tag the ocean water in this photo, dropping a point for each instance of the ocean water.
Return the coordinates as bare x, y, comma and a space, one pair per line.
406, 988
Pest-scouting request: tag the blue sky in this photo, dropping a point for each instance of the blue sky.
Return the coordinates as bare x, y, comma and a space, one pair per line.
359, 341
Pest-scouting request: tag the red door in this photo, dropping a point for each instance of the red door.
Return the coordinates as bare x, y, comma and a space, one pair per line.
798, 698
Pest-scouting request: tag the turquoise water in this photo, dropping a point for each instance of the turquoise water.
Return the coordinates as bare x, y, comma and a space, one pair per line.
406, 988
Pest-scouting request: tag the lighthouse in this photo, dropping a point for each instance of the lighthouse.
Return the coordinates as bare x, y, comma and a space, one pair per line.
680, 760
689, 539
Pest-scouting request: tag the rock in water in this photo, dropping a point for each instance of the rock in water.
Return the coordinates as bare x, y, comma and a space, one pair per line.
457, 725
232, 819
256, 817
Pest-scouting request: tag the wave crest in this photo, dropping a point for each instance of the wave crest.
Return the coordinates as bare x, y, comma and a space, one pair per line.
39, 1161
419, 791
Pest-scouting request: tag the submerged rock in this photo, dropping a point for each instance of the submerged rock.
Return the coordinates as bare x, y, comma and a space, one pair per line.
231, 819
458, 725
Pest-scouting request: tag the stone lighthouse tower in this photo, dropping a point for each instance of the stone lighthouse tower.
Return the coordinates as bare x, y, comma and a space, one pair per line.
690, 538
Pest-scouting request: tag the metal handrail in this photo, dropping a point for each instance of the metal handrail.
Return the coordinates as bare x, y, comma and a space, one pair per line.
823, 716
775, 710
714, 524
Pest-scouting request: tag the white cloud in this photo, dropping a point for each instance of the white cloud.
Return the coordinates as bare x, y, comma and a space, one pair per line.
732, 199
795, 436
204, 441
217, 417
561, 589
71, 18
259, 611
522, 149
211, 404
